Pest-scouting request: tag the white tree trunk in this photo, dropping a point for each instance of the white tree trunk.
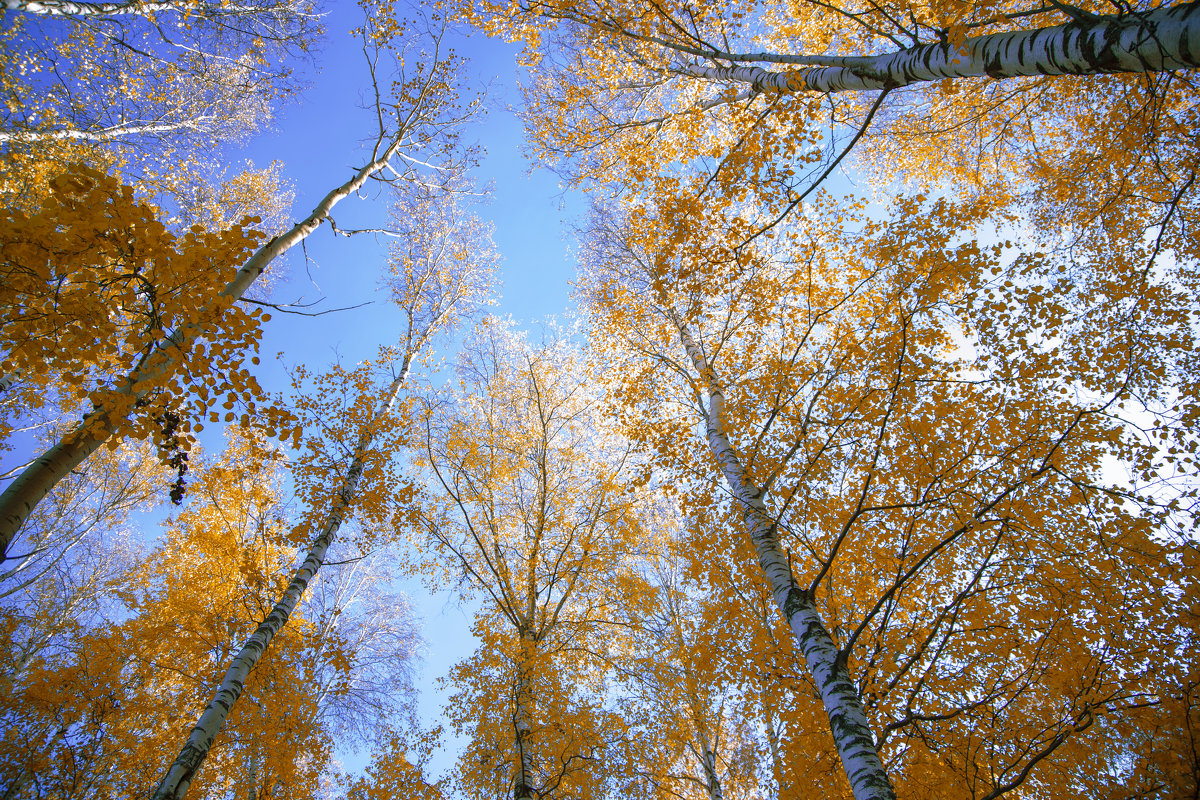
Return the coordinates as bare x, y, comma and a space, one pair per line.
181, 773
70, 8
1164, 39
708, 761
98, 135
36, 480
847, 719
523, 727
706, 753
773, 744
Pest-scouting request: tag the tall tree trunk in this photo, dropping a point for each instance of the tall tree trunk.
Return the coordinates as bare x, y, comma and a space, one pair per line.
98, 135
773, 746
1164, 39
181, 773
22, 495
708, 756
252, 776
141, 8
523, 725
847, 719
706, 752
712, 782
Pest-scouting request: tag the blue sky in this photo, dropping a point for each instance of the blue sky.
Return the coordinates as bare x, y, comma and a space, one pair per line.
320, 139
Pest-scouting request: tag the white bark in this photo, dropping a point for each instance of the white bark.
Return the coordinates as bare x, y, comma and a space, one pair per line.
708, 756
847, 719
773, 743
523, 728
35, 481
106, 134
181, 773
69, 8
1164, 39
431, 293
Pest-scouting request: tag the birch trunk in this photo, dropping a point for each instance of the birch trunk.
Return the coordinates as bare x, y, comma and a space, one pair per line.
1164, 39
708, 756
712, 783
847, 719
101, 134
252, 781
142, 8
708, 761
181, 773
523, 727
22, 495
773, 744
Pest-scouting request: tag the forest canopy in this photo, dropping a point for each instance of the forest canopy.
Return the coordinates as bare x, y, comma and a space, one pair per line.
863, 462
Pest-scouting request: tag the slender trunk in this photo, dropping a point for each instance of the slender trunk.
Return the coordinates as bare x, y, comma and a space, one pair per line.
847, 719
708, 759
252, 778
1164, 39
36, 480
179, 777
773, 746
712, 783
141, 8
523, 726
99, 135
706, 752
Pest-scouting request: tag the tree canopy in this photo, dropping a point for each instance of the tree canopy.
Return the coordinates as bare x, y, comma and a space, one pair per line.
865, 464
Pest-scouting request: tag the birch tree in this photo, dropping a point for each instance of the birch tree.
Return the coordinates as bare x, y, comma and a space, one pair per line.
618, 76
167, 362
691, 735
535, 518
871, 459
1049, 107
683, 113
155, 87
89, 717
439, 275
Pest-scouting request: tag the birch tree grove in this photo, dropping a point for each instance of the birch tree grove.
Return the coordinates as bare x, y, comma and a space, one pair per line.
865, 467
808, 347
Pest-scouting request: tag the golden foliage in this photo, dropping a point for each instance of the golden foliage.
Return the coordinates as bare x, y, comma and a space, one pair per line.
99, 717
94, 284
